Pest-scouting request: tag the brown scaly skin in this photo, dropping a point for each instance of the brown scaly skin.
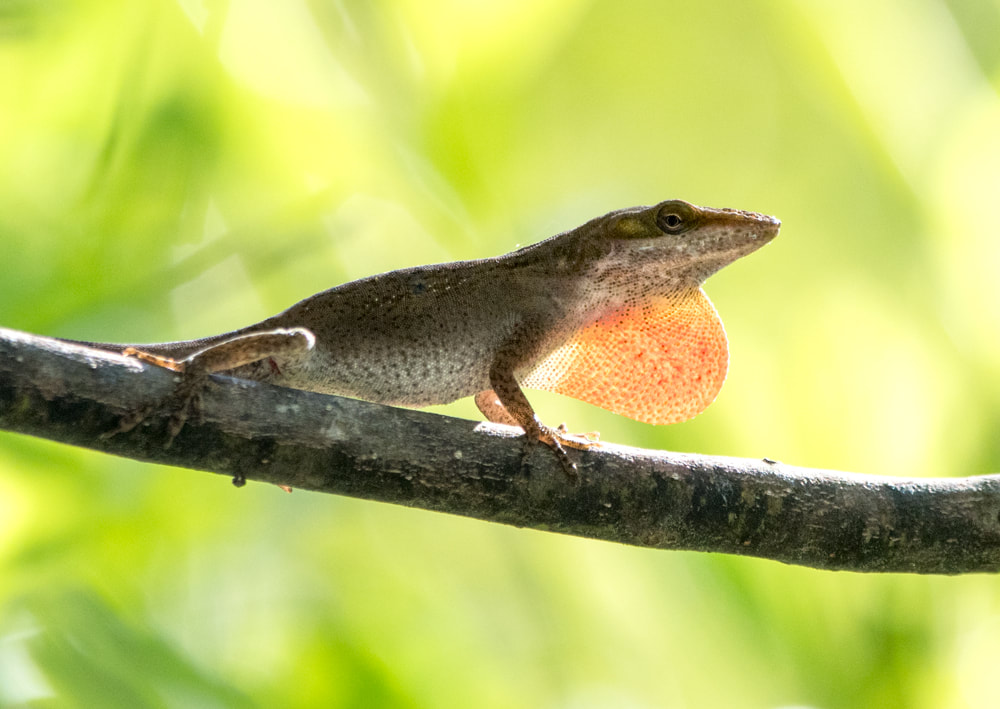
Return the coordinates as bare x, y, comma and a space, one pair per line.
434, 334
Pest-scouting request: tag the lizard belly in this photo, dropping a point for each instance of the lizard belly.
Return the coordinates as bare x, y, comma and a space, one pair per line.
420, 374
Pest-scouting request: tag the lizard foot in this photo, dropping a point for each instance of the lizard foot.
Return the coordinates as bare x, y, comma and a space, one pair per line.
581, 441
568, 466
558, 440
128, 421
181, 405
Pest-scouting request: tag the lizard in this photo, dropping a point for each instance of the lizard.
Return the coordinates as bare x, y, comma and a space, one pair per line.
611, 313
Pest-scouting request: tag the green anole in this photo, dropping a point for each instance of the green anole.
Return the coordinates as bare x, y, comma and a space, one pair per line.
611, 313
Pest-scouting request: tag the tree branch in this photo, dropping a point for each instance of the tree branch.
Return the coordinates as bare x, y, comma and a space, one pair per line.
824, 519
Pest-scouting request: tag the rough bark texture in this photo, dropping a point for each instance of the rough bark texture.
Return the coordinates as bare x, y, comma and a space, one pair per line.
819, 518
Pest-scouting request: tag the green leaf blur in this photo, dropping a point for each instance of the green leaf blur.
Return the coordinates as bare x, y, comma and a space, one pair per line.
175, 169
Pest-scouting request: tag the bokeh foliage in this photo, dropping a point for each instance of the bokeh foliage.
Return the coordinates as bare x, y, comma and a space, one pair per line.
175, 169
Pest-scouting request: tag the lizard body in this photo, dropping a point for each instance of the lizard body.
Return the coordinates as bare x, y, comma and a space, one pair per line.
611, 312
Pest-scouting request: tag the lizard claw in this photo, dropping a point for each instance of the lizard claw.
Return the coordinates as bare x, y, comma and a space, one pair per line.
568, 466
558, 440
560, 437
183, 404
128, 421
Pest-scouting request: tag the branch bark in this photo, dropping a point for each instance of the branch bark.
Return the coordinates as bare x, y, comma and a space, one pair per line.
819, 518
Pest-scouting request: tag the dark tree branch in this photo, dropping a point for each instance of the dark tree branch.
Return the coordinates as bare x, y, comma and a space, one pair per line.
818, 518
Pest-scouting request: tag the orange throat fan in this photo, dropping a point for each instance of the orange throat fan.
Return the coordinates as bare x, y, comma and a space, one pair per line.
662, 361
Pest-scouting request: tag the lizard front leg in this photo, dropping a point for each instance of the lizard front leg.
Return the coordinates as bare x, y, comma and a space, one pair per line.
506, 403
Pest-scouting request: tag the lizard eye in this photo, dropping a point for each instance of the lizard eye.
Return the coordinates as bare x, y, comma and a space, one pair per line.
671, 223
675, 217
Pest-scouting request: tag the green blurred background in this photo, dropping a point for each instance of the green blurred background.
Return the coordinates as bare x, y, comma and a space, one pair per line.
176, 169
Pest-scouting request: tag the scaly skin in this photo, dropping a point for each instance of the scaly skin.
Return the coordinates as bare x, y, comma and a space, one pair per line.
610, 312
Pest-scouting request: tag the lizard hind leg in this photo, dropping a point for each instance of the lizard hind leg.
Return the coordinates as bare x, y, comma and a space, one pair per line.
185, 401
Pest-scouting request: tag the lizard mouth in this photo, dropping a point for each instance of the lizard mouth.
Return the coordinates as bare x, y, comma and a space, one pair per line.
729, 235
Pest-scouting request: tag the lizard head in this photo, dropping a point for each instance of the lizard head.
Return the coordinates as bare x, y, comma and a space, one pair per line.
662, 249
683, 241
641, 338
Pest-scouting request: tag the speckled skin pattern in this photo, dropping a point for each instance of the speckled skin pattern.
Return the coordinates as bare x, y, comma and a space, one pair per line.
433, 334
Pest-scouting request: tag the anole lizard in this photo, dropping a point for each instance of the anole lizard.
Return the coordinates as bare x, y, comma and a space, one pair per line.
611, 313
